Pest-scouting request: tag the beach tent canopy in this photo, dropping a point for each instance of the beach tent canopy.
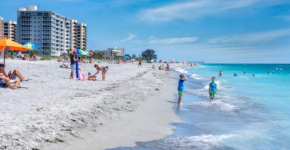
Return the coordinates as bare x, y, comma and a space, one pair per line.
31, 46
7, 44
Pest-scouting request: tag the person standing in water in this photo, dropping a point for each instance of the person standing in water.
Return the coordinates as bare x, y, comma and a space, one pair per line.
212, 89
245, 72
221, 73
180, 87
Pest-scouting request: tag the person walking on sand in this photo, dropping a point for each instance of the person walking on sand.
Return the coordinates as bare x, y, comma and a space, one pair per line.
73, 60
140, 62
103, 69
212, 89
180, 87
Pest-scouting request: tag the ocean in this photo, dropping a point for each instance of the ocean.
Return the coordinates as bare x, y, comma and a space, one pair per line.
248, 113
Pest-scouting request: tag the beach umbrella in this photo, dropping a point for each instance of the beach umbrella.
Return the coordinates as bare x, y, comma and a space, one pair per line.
7, 44
31, 46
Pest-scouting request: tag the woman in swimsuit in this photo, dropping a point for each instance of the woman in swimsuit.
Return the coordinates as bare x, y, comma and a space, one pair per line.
103, 69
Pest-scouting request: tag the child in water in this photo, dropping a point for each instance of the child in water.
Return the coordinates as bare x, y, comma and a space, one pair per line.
212, 89
180, 87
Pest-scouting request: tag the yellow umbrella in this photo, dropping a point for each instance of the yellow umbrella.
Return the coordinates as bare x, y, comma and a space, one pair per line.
7, 43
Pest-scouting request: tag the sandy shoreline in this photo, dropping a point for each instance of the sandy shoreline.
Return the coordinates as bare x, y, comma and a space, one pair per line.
53, 112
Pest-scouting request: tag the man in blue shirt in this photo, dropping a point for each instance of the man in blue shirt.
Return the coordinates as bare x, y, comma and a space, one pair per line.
180, 87
212, 89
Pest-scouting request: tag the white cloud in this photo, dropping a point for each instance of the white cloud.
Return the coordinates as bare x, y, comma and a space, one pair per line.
251, 37
130, 37
153, 40
195, 9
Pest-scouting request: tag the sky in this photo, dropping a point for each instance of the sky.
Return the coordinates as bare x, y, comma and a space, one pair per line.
214, 31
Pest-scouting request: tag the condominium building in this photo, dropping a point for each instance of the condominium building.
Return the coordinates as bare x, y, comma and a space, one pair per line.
49, 30
8, 29
74, 39
78, 35
1, 27
82, 36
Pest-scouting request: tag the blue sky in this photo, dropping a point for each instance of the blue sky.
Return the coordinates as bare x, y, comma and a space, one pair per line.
254, 31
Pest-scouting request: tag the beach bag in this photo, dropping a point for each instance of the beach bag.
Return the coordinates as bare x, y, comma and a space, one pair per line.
92, 78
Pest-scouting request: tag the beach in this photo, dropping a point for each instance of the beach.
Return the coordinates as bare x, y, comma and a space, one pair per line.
51, 111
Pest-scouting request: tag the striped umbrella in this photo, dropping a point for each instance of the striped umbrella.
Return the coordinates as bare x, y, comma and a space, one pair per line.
31, 46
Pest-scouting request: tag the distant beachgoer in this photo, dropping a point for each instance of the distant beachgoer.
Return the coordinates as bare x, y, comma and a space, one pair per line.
235, 75
153, 67
140, 62
212, 89
245, 72
8, 81
103, 69
160, 68
253, 75
180, 87
59, 58
11, 53
73, 60
168, 67
11, 75
90, 60
221, 73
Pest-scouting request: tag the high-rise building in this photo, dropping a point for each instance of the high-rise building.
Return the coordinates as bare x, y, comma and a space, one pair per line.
82, 36
10, 30
78, 35
74, 39
49, 30
1, 27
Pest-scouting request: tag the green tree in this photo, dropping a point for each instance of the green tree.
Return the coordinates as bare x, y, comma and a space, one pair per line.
98, 54
148, 55
134, 56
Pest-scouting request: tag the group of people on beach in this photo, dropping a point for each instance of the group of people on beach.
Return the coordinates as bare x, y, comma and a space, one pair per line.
74, 58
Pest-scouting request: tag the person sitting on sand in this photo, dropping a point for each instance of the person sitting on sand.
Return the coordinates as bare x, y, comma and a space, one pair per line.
160, 67
13, 75
103, 69
153, 67
8, 82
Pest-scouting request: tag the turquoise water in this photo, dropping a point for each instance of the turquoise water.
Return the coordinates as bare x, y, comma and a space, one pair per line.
248, 112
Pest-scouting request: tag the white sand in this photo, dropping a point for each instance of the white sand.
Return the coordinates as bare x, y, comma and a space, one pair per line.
54, 112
